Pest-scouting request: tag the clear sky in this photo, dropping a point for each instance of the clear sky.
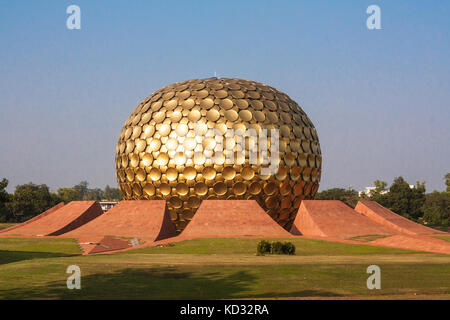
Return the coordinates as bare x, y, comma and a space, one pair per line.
380, 99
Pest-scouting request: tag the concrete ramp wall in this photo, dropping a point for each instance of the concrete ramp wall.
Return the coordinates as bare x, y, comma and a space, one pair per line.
333, 218
386, 217
59, 220
144, 219
232, 218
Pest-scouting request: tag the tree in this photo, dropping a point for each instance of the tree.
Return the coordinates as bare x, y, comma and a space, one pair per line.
447, 182
4, 196
437, 208
94, 194
4, 199
380, 186
82, 189
68, 194
403, 199
30, 200
348, 196
111, 193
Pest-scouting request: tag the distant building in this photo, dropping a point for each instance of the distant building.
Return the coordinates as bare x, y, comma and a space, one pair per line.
368, 190
106, 205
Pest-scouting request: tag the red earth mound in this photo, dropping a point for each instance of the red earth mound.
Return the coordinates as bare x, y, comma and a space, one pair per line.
144, 219
39, 216
333, 218
414, 242
232, 218
386, 217
59, 220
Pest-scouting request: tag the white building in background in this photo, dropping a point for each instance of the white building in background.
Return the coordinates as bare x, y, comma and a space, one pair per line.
106, 205
368, 190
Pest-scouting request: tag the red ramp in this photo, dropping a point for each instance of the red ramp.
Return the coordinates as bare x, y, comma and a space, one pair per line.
145, 219
414, 242
386, 217
333, 218
43, 214
232, 218
58, 220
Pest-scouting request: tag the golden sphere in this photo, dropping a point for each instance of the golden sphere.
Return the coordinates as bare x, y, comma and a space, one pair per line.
164, 151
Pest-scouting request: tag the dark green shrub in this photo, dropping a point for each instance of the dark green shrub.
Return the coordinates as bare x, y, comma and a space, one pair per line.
276, 248
263, 248
288, 248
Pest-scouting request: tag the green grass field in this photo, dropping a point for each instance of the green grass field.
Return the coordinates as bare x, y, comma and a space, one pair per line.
219, 269
7, 225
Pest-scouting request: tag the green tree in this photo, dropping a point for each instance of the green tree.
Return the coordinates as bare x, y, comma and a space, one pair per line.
68, 194
30, 200
82, 189
403, 199
437, 208
447, 182
111, 193
348, 196
4, 199
94, 194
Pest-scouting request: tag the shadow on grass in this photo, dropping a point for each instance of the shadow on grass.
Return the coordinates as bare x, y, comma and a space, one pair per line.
7, 256
153, 283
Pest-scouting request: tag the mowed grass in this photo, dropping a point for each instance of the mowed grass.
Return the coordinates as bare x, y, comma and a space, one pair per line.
220, 269
18, 249
7, 225
446, 238
248, 246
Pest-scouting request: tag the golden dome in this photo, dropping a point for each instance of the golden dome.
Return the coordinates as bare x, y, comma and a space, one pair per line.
165, 152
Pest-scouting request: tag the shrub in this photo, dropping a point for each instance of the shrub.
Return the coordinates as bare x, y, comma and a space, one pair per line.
288, 248
263, 248
276, 248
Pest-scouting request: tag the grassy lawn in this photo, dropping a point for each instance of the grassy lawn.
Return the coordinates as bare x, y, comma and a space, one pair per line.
219, 269
446, 238
248, 246
7, 225
368, 238
18, 249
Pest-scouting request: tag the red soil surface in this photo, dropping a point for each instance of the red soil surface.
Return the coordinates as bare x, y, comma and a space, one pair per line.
58, 221
386, 217
414, 242
143, 219
232, 218
43, 214
92, 245
333, 218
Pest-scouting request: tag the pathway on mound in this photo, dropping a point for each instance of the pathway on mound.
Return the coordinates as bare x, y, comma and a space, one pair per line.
333, 218
386, 217
57, 221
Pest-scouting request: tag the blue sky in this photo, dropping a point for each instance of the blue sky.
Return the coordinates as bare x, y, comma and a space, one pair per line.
380, 99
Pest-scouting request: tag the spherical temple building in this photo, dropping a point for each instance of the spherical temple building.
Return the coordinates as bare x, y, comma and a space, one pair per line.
166, 149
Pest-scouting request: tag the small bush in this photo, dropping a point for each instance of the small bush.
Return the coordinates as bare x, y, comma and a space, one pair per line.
275, 248
263, 248
288, 248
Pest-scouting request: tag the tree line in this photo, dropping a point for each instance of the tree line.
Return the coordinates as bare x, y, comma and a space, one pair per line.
29, 200
431, 209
